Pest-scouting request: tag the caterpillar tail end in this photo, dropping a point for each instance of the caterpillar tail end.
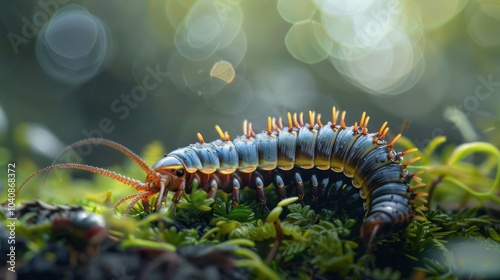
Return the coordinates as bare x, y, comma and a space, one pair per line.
369, 235
372, 230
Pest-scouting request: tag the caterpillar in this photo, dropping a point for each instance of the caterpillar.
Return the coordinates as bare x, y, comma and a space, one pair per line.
301, 152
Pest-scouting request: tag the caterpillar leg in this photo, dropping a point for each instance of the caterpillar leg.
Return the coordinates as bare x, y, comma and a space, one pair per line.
146, 205
180, 191
178, 194
318, 189
280, 186
299, 186
322, 186
261, 192
235, 193
337, 187
314, 189
213, 188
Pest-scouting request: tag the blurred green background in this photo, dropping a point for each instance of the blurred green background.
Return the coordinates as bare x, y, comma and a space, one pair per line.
139, 71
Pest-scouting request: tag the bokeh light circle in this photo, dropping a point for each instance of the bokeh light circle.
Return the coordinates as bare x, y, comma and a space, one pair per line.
308, 42
73, 46
483, 19
343, 8
436, 13
206, 29
386, 67
295, 11
197, 75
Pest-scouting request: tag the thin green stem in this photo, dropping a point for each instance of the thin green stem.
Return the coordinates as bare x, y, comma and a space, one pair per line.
255, 262
141, 243
210, 232
433, 144
460, 174
464, 150
238, 242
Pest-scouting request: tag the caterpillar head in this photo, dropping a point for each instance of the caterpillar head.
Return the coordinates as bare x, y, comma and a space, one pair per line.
169, 175
166, 175
169, 166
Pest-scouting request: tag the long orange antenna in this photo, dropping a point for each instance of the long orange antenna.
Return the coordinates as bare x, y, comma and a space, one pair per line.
138, 185
112, 144
137, 196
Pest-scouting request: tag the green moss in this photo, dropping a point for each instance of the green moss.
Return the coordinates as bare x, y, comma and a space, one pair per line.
314, 242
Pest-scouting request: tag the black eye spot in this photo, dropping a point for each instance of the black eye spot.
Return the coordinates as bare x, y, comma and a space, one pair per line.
180, 172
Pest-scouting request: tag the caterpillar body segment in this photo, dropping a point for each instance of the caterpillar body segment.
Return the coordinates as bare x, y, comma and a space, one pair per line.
305, 147
324, 146
267, 150
228, 156
333, 158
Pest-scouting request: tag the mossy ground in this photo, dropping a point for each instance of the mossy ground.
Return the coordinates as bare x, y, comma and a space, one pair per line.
458, 238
